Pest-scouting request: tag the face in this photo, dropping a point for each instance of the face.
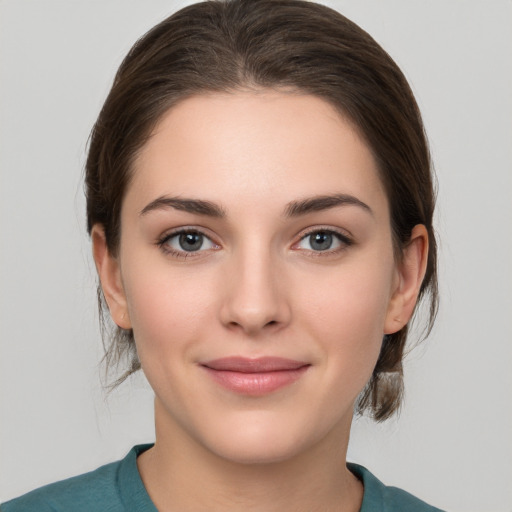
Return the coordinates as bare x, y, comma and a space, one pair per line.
256, 269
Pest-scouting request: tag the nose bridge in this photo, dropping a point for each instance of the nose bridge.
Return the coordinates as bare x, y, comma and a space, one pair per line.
255, 298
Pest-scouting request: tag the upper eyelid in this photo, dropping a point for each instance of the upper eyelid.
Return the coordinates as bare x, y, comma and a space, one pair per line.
185, 229
315, 229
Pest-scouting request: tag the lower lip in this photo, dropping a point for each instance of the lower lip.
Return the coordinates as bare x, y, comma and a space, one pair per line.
256, 384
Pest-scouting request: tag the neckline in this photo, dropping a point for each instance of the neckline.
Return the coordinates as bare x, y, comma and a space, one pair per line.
135, 496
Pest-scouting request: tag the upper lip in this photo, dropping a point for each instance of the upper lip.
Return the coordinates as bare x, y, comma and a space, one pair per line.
257, 365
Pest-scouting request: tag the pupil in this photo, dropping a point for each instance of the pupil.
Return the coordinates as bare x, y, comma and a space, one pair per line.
321, 241
191, 241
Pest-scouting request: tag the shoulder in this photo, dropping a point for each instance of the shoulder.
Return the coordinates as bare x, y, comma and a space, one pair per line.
98, 490
83, 492
381, 498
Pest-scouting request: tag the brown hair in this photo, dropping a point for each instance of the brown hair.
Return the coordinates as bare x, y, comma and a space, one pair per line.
238, 44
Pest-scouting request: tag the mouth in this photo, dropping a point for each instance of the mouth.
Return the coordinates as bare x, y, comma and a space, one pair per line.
255, 377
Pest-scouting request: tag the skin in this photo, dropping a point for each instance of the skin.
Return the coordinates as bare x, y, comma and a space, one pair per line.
258, 286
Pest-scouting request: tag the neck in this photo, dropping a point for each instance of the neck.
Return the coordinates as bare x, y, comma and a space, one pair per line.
179, 474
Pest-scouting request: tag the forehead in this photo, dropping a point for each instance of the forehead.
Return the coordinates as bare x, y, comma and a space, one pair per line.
256, 145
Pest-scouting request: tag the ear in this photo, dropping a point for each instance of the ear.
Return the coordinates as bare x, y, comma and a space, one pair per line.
110, 278
410, 273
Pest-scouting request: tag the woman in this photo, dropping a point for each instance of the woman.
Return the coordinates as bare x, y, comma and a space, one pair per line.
260, 204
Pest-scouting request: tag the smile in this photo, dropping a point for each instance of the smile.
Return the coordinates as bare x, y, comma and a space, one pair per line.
255, 377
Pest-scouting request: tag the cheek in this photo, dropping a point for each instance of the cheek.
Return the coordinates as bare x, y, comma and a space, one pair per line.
351, 301
346, 313
167, 311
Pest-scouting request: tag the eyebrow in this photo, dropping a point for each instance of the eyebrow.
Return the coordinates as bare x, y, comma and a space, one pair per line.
292, 209
325, 202
198, 206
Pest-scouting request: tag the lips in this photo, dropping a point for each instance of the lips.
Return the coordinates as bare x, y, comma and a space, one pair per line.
255, 377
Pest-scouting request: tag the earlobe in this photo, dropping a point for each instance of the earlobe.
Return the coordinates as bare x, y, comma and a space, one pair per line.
109, 273
410, 273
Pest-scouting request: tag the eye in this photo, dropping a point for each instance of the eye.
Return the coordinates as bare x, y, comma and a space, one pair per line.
184, 242
323, 240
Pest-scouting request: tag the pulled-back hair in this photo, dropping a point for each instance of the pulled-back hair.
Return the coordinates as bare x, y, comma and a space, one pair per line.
219, 46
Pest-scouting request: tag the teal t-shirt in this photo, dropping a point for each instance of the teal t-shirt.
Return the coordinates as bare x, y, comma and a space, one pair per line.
117, 487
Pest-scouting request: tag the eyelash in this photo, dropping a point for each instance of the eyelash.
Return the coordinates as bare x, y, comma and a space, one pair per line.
342, 238
162, 242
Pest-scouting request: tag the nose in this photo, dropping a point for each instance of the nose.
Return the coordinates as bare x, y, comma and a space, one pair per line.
255, 300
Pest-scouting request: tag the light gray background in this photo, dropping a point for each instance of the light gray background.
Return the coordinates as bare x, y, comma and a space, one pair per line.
452, 444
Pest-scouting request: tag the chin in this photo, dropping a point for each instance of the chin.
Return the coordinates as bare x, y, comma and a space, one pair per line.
257, 451
256, 441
